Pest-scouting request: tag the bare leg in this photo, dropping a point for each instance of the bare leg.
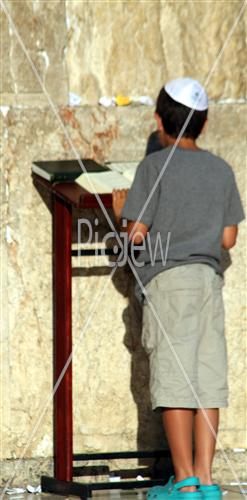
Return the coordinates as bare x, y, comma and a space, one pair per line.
178, 425
205, 443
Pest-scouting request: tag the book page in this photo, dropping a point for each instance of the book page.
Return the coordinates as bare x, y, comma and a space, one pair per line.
127, 169
121, 166
129, 173
103, 182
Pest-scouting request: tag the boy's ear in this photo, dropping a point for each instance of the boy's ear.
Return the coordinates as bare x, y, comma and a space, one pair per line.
159, 122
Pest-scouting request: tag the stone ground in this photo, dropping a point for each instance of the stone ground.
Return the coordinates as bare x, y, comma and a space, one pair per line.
230, 493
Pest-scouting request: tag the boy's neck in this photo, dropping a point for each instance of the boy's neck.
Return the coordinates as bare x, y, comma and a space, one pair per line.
184, 142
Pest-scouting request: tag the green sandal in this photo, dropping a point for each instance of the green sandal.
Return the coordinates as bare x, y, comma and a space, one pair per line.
211, 492
171, 490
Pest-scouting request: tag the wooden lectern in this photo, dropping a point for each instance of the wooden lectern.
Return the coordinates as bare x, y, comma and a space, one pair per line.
65, 196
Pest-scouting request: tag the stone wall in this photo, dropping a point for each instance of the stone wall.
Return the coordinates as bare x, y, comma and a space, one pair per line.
95, 48
152, 42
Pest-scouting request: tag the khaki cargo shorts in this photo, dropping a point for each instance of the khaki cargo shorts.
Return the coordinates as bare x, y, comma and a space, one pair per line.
183, 334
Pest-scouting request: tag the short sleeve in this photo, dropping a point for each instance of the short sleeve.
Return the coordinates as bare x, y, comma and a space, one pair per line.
233, 211
143, 195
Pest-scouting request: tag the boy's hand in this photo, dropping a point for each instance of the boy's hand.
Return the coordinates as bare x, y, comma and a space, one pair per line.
118, 200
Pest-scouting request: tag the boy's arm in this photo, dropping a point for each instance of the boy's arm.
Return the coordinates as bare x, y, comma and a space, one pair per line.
135, 229
118, 201
229, 237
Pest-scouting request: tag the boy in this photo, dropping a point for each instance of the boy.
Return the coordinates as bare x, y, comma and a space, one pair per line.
188, 197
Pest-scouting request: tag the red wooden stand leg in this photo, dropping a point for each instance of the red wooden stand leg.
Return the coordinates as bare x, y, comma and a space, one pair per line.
62, 229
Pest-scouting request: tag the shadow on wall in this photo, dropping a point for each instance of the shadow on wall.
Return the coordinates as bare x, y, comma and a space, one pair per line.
150, 435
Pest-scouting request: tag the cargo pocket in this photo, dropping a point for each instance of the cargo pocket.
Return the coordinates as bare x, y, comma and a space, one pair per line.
218, 281
149, 329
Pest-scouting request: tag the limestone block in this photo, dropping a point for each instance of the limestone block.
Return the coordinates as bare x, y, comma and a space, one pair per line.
6, 81
234, 417
94, 43
105, 134
27, 471
28, 322
159, 41
133, 47
226, 123
199, 37
230, 467
23, 72
41, 27
222, 138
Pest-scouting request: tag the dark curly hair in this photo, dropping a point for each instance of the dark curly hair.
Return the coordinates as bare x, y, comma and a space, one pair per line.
173, 115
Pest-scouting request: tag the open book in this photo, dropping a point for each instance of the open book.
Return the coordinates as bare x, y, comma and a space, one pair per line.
119, 176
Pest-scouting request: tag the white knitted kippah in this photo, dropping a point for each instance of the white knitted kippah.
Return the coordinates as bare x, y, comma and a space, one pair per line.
188, 92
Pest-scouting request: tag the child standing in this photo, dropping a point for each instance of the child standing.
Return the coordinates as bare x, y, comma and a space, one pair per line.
183, 203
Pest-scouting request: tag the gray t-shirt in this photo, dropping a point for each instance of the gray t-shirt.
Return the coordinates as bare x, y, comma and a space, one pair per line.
194, 199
